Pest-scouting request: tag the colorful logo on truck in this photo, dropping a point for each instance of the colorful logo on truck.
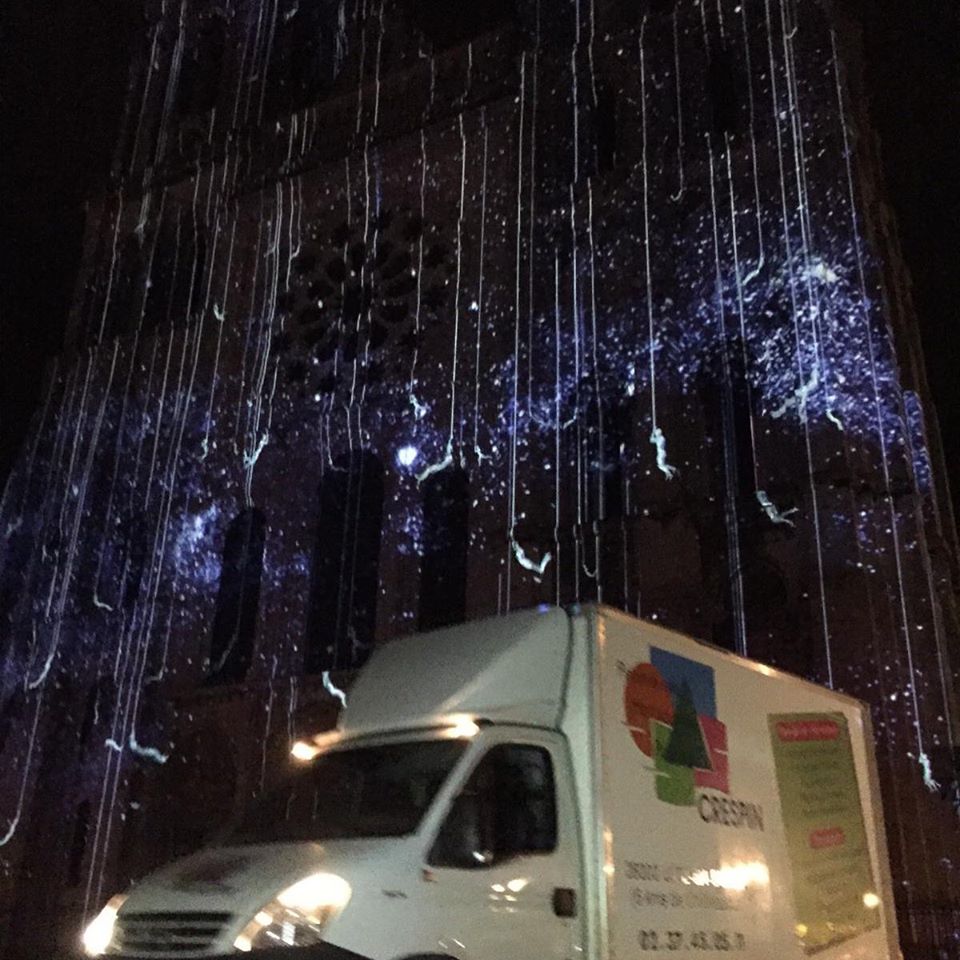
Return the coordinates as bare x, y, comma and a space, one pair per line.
670, 707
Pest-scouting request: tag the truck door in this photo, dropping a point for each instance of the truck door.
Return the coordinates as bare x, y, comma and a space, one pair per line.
502, 877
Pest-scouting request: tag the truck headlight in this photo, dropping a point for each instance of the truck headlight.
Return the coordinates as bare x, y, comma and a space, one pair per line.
99, 932
296, 916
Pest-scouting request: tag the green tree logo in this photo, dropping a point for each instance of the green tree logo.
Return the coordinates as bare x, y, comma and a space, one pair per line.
686, 746
670, 710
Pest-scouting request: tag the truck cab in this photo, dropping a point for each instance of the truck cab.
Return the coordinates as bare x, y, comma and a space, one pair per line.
439, 818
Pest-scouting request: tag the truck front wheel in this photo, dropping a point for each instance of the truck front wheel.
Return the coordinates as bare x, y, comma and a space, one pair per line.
428, 956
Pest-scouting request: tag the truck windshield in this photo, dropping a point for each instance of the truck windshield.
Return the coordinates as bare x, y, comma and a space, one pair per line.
380, 791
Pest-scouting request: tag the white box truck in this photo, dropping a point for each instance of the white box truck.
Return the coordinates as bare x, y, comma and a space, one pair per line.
549, 785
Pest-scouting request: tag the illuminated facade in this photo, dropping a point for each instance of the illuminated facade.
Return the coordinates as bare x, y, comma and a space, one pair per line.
396, 319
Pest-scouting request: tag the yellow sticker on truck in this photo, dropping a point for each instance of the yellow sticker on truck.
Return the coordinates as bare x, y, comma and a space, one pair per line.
834, 892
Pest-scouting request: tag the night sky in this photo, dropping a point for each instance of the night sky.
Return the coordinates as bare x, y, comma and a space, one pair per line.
63, 77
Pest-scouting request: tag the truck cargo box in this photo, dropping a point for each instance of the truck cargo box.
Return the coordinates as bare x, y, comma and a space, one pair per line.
738, 806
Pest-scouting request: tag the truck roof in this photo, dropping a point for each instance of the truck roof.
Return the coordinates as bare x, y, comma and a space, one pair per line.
652, 628
509, 669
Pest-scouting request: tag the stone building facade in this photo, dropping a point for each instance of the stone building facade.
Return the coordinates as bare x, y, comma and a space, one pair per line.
397, 318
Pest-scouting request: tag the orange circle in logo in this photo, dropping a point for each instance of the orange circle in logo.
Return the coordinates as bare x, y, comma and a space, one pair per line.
646, 697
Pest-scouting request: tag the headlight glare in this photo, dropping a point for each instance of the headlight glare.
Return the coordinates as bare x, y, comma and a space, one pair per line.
99, 932
297, 915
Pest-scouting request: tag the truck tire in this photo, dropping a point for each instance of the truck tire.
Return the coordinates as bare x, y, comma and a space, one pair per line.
428, 956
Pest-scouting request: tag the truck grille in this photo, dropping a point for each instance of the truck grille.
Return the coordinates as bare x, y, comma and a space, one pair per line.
167, 934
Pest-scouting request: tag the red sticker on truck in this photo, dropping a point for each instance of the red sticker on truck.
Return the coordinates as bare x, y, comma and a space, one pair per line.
827, 837
805, 731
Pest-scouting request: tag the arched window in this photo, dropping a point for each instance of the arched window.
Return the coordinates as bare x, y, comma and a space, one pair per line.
729, 519
605, 132
78, 844
304, 59
15, 555
238, 598
187, 293
135, 557
443, 571
114, 580
342, 610
724, 84
125, 297
99, 705
10, 713
446, 25
602, 537
202, 64
138, 833
606, 495
178, 268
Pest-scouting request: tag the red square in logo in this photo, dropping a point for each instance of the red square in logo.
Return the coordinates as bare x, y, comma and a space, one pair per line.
715, 735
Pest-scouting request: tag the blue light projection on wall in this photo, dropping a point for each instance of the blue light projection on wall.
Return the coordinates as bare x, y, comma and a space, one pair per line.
611, 319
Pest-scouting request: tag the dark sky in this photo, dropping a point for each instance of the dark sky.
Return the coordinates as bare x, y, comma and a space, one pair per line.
914, 67
63, 75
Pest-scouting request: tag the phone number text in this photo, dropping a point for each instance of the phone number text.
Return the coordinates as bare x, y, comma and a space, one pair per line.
714, 940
